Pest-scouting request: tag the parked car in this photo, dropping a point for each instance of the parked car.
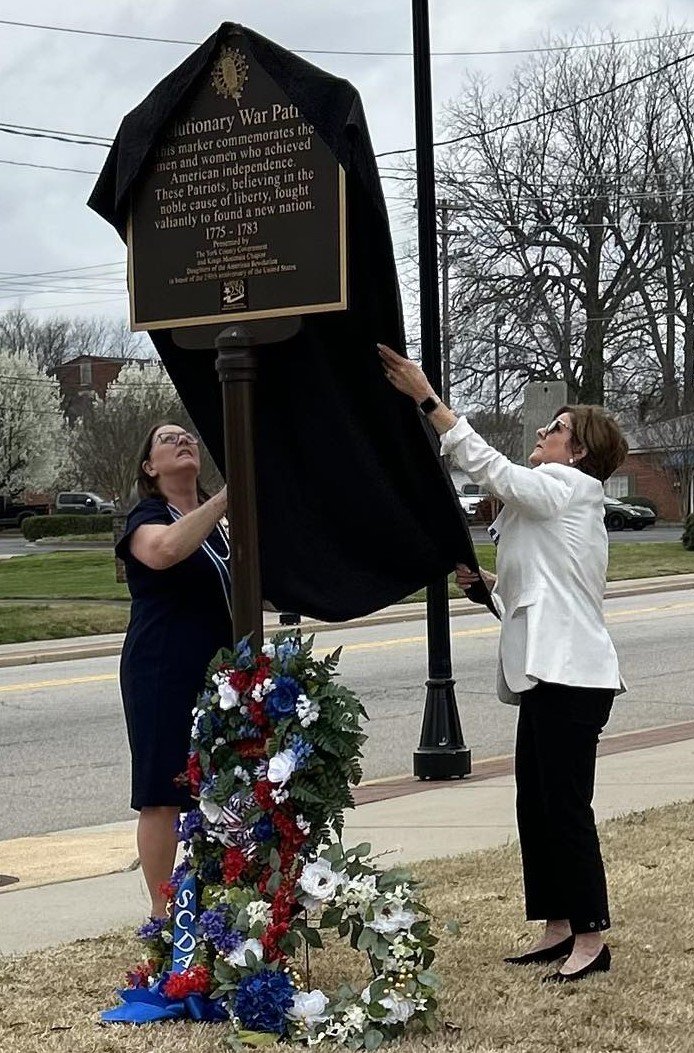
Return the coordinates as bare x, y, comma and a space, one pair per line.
471, 496
77, 503
13, 513
620, 515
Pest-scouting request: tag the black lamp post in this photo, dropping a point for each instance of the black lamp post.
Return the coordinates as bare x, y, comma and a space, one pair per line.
442, 753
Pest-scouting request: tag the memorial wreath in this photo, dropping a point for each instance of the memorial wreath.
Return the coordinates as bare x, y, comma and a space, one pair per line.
275, 746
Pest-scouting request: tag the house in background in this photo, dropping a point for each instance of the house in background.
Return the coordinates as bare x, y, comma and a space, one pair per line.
660, 465
82, 377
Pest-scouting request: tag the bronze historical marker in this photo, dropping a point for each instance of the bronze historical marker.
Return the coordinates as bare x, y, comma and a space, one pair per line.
241, 214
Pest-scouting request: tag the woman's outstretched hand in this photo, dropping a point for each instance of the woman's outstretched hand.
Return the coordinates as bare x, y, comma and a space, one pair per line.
466, 578
405, 375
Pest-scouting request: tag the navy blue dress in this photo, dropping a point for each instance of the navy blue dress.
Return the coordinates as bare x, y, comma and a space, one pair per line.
180, 617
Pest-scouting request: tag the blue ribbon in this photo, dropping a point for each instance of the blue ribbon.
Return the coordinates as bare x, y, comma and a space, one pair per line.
184, 935
142, 1005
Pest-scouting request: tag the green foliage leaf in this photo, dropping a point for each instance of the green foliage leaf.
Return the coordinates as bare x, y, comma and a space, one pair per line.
372, 1039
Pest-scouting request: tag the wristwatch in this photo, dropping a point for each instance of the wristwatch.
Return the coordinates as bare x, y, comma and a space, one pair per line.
429, 405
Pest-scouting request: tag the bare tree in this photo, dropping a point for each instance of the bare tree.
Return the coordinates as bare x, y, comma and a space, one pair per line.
575, 228
106, 441
55, 340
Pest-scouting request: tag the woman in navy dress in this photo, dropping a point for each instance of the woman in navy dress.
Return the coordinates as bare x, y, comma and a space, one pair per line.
175, 551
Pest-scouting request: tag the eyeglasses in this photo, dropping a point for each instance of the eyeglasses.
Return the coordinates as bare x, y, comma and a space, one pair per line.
175, 438
555, 426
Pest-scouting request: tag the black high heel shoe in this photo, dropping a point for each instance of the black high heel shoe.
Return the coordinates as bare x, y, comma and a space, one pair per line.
543, 957
599, 964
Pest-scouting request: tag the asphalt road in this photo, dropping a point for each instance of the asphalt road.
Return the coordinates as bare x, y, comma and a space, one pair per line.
13, 544
64, 756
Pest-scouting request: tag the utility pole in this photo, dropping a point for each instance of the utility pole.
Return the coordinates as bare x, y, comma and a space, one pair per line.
445, 305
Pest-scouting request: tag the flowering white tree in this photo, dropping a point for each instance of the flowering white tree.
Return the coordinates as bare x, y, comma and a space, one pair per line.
107, 439
33, 430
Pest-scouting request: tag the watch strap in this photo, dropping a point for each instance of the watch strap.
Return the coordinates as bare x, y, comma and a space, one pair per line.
429, 405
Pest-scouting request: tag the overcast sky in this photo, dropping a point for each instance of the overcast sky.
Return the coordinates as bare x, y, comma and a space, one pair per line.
85, 84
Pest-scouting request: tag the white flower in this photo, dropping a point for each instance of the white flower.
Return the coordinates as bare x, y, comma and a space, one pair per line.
257, 910
389, 920
238, 957
319, 882
212, 812
241, 774
281, 766
308, 1006
358, 894
307, 711
399, 1009
268, 650
354, 1017
279, 796
228, 695
303, 824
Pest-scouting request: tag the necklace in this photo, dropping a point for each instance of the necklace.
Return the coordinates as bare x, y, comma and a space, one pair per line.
220, 563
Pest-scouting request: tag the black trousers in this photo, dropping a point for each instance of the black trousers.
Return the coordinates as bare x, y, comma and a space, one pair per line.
556, 743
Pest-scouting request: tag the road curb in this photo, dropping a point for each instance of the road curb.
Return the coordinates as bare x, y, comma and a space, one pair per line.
71, 652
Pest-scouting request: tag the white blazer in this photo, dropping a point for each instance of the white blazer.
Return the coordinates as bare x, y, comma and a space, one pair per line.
551, 566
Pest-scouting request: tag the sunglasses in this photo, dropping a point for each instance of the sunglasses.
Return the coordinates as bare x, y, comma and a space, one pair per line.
175, 438
556, 425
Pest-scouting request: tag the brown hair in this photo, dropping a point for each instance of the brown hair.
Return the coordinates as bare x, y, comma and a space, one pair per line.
600, 436
146, 485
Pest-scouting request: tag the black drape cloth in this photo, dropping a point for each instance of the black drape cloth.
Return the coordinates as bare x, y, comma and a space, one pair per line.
355, 509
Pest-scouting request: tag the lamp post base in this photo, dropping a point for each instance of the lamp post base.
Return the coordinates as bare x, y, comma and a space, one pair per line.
442, 753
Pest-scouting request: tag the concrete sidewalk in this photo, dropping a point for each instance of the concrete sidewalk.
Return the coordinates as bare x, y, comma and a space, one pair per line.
429, 821
78, 647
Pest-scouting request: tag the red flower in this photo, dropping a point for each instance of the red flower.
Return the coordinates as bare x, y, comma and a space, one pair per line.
195, 980
262, 792
139, 976
292, 837
241, 680
194, 773
167, 890
250, 748
233, 865
256, 711
283, 903
271, 938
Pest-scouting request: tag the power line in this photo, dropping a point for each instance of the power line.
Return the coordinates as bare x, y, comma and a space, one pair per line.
393, 54
548, 113
84, 140
77, 138
53, 168
62, 270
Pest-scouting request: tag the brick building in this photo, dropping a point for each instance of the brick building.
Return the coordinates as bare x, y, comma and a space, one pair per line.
660, 465
84, 376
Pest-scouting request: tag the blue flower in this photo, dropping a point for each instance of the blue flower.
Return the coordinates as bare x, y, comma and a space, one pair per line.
301, 748
152, 928
244, 655
263, 829
210, 872
262, 1001
178, 876
287, 649
192, 823
213, 925
281, 702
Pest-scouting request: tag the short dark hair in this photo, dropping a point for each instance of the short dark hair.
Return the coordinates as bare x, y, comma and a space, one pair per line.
600, 436
146, 485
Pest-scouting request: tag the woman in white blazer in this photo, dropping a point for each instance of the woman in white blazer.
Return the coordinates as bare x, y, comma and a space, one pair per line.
556, 659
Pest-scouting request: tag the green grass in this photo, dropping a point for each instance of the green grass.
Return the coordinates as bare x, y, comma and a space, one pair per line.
628, 560
61, 575
25, 622
91, 575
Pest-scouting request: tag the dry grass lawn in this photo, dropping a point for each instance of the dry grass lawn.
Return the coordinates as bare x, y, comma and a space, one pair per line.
50, 1001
